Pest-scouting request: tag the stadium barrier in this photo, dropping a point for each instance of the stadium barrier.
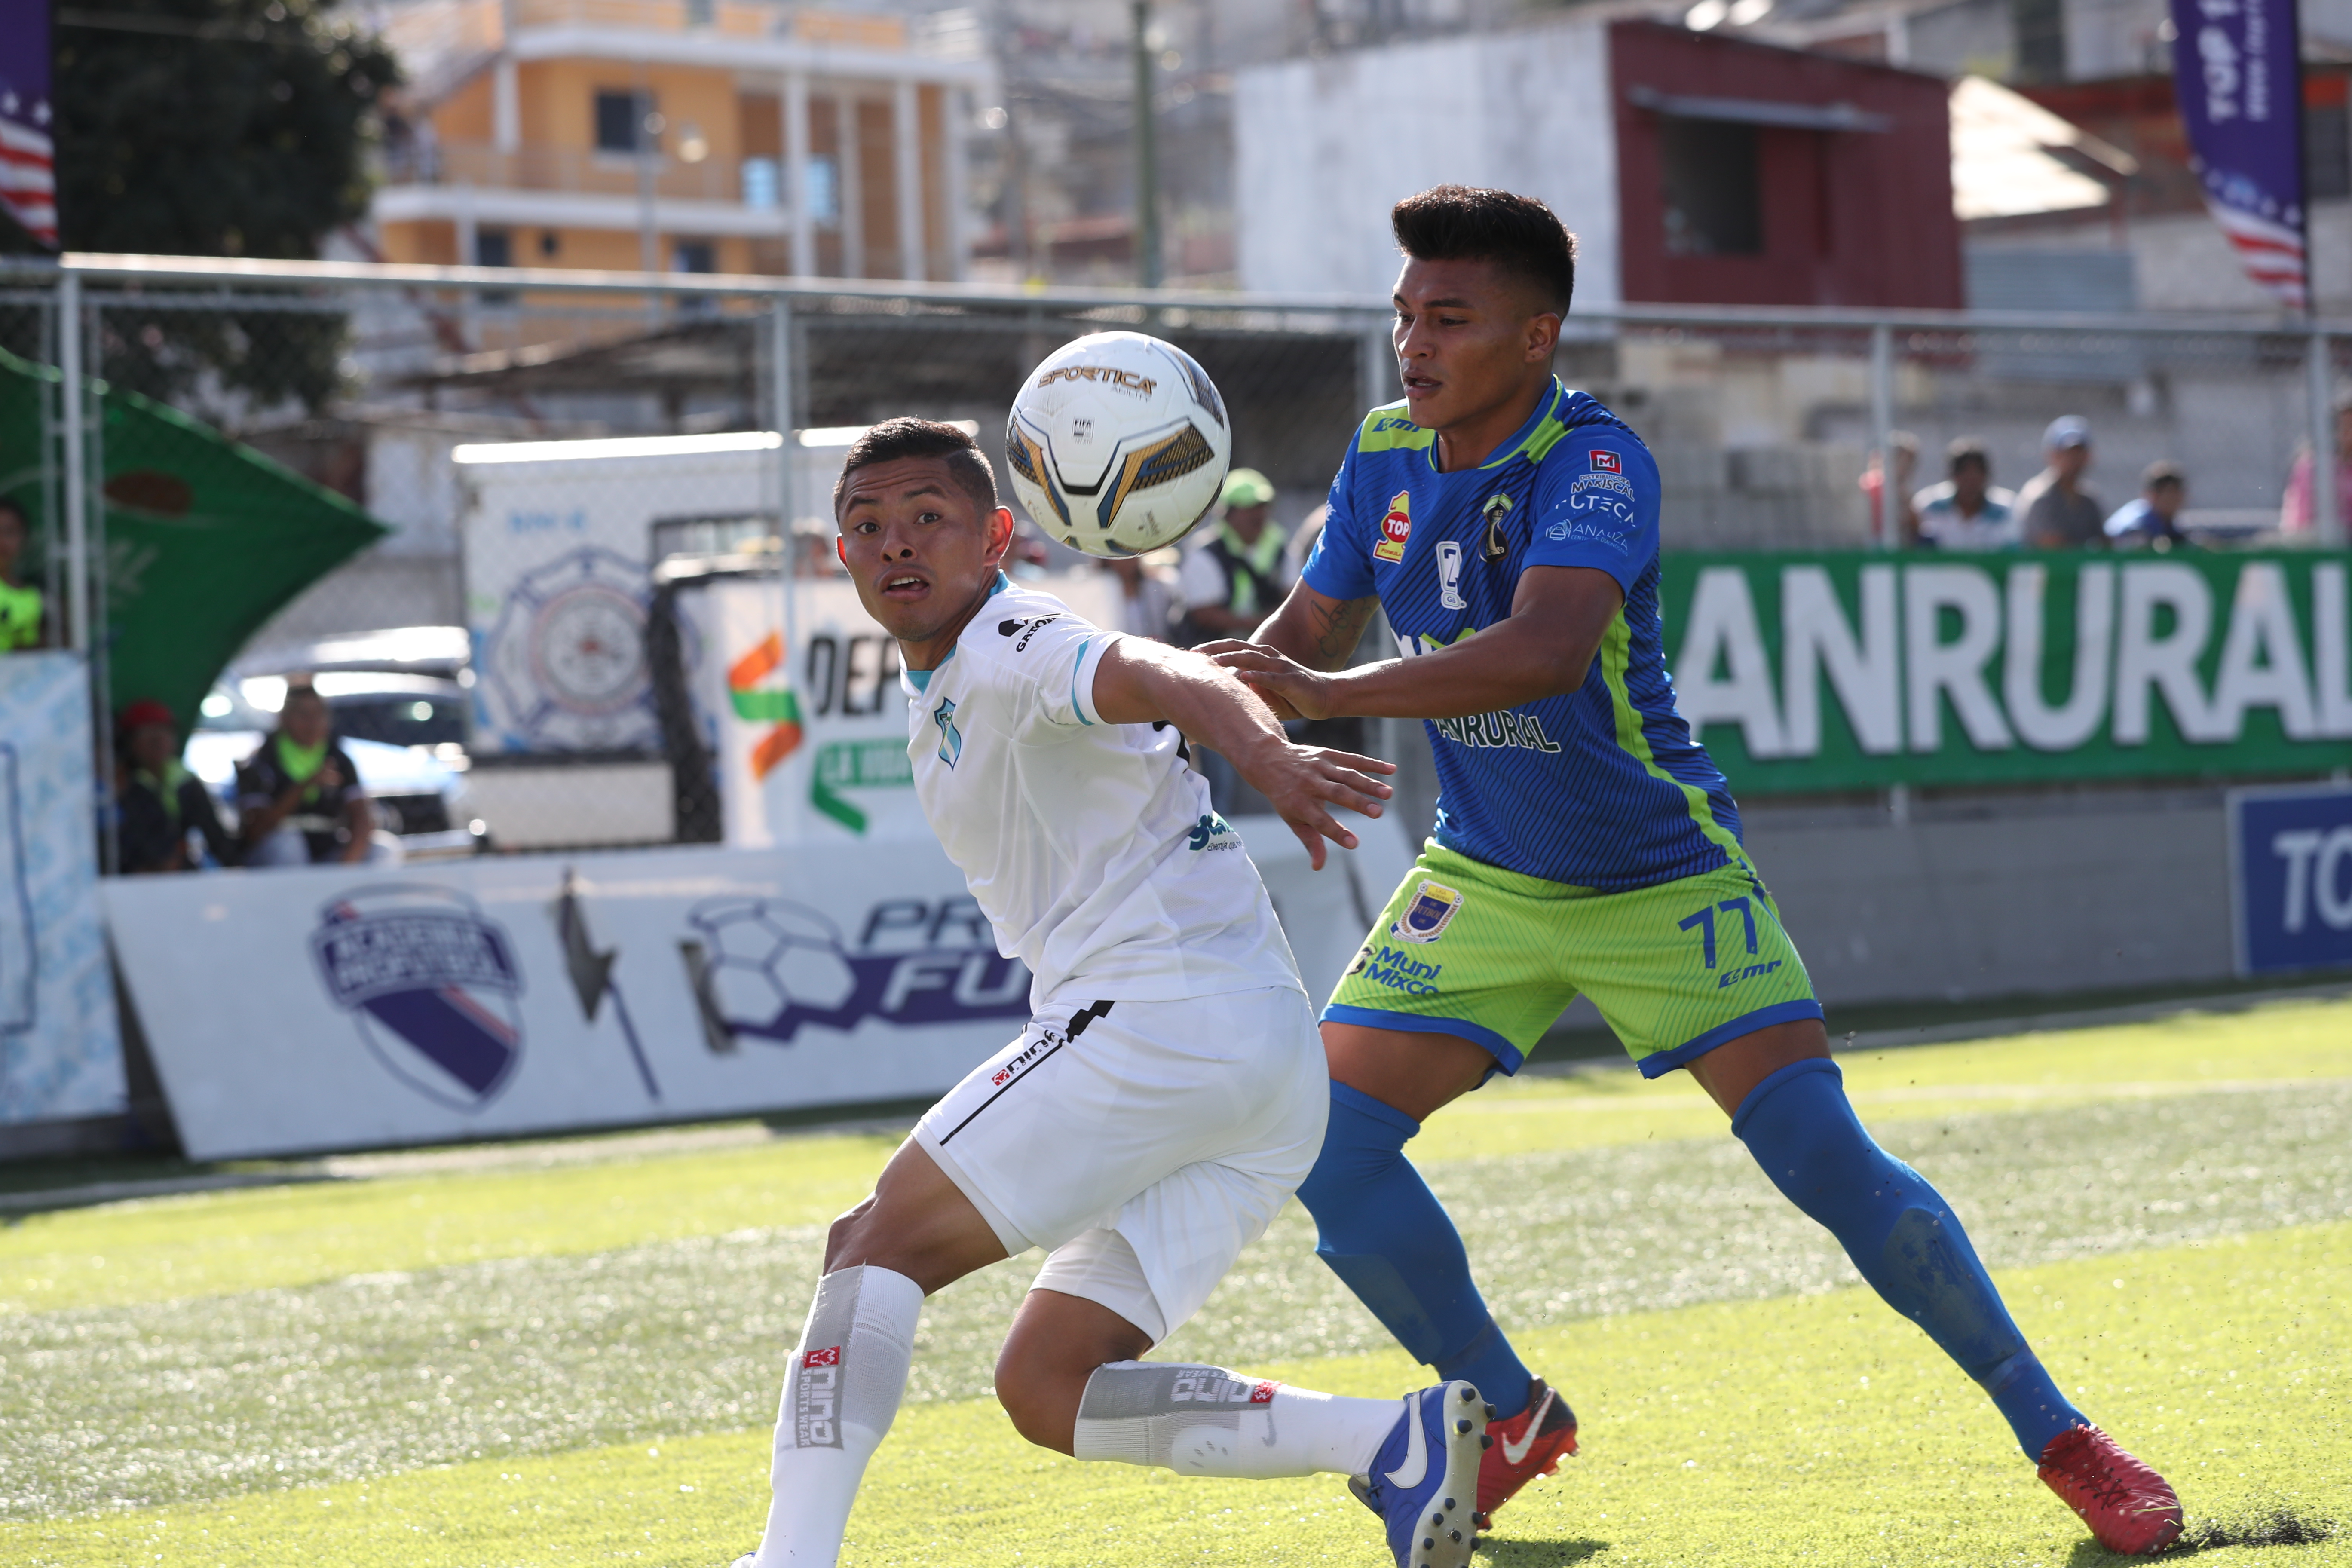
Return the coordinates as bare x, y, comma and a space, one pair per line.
603, 616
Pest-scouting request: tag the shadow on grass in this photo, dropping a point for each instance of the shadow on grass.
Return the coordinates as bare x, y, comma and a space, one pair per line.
2277, 1527
1538, 1553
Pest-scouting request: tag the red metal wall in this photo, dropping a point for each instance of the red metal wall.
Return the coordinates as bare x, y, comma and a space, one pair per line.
1850, 217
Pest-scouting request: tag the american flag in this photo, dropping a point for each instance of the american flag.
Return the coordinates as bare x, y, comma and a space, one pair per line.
29, 184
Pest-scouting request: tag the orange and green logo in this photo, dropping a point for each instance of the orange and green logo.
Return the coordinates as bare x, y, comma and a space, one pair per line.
776, 706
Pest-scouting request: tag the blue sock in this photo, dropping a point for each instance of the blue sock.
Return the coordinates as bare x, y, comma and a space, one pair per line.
1384, 1234
1901, 1235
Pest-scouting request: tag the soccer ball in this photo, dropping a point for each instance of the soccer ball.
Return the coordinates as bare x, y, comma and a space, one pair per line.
1118, 444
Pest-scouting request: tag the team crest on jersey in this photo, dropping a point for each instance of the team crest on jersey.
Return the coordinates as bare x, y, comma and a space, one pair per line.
1606, 462
1499, 507
1432, 909
1395, 528
1449, 576
950, 738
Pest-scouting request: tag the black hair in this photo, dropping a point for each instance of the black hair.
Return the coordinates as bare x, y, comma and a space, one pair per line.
2163, 473
895, 439
1967, 449
14, 507
1468, 222
298, 688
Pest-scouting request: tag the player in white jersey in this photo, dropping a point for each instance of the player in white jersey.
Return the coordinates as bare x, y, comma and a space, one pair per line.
1170, 1092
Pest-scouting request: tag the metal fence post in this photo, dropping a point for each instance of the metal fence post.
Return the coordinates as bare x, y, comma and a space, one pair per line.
1881, 434
2327, 506
76, 474
782, 383
1376, 369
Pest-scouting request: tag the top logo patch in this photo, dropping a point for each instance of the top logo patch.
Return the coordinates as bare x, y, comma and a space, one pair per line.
1395, 528
1606, 462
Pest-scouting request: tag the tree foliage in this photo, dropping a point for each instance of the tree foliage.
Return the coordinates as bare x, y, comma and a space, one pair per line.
216, 128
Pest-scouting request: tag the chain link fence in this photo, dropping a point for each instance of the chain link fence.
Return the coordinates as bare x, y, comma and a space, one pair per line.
557, 466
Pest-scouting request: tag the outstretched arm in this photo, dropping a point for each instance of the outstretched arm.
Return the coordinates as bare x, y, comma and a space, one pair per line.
1544, 648
1140, 682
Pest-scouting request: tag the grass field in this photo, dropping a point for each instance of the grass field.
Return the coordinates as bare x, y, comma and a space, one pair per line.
568, 1353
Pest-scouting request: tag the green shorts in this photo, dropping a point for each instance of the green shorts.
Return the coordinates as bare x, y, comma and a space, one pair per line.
1469, 949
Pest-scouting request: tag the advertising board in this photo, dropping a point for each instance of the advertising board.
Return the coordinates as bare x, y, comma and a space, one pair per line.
60, 1048
2291, 877
1845, 671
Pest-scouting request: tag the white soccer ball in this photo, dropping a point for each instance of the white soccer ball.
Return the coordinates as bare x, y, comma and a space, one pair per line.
1118, 444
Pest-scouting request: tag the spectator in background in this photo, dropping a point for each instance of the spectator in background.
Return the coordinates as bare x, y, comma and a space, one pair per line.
1232, 579
22, 623
2298, 514
1966, 511
298, 798
1147, 605
163, 805
2058, 511
2153, 518
1873, 485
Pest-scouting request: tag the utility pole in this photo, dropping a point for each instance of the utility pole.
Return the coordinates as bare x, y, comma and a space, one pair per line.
1147, 154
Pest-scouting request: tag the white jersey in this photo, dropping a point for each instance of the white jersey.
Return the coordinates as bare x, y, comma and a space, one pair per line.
1091, 847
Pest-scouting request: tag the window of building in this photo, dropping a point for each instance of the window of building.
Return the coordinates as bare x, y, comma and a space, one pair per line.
2039, 29
1713, 205
493, 247
621, 119
2327, 151
762, 183
825, 190
693, 256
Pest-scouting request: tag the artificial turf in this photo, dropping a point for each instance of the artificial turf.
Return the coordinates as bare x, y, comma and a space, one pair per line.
468, 1362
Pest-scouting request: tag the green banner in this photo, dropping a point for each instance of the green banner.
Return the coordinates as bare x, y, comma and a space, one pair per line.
1848, 671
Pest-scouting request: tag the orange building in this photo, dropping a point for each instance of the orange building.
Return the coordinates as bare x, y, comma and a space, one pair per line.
677, 135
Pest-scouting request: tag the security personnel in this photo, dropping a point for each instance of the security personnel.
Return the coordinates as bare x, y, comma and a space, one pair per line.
1232, 579
20, 603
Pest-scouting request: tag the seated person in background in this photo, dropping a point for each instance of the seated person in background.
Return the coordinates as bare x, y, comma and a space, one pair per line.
162, 801
1147, 605
1236, 575
2153, 518
298, 799
21, 622
1966, 511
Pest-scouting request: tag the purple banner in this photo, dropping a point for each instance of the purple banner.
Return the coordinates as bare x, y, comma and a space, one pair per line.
27, 156
2239, 84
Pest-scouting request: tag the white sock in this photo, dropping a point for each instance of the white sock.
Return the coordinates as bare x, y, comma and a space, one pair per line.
1205, 1421
841, 1394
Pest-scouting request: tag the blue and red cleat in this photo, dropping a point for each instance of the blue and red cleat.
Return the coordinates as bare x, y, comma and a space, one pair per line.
2130, 1508
1529, 1445
1425, 1477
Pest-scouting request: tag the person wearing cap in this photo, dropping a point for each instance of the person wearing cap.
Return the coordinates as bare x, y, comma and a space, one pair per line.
163, 804
22, 623
1232, 579
2059, 511
2152, 518
2298, 514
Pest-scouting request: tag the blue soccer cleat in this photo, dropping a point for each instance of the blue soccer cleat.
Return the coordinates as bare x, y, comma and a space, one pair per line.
1425, 1480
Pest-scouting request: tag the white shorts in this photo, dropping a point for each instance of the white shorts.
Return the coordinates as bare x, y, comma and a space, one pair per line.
1143, 1144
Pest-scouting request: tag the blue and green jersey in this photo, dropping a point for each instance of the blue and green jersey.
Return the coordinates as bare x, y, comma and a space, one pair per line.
1602, 788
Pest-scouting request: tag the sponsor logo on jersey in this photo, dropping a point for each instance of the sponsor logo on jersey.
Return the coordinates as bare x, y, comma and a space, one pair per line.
1483, 732
1049, 1040
1432, 911
950, 738
1212, 832
1573, 528
1027, 626
1735, 976
1395, 528
1617, 482
1449, 576
1127, 380
1399, 972
1606, 462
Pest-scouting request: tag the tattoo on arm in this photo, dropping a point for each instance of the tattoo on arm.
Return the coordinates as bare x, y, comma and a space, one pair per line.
1338, 625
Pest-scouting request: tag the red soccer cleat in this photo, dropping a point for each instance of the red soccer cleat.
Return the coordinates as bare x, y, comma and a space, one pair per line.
1529, 1445
2129, 1508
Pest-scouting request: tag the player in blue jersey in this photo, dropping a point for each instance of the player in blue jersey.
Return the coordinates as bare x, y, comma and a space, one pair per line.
1509, 529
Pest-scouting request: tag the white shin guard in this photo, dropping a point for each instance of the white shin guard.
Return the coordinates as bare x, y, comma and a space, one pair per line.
1205, 1421
841, 1394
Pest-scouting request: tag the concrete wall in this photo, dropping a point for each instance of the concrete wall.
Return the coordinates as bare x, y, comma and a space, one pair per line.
1325, 147
2001, 895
